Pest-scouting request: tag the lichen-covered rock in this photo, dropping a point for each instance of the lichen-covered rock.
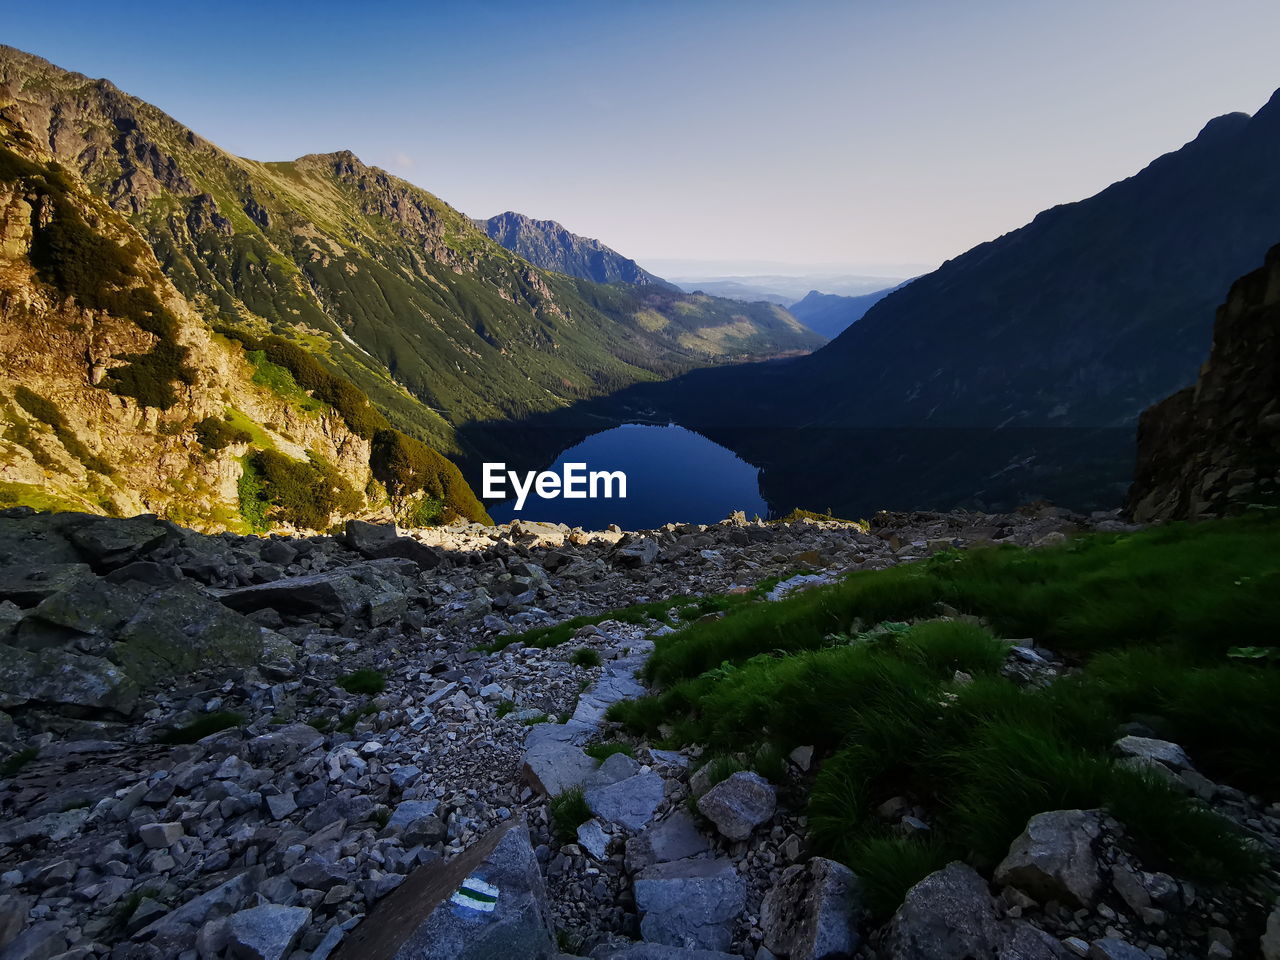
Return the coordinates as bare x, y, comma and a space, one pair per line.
54, 678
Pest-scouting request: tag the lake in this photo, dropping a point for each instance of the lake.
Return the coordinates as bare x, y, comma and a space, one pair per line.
673, 476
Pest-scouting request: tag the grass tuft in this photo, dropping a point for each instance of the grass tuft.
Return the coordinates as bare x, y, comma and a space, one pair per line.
364, 681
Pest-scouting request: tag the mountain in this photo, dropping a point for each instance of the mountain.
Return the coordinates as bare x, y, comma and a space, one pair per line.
1214, 448
1018, 369
384, 284
548, 245
831, 314
119, 398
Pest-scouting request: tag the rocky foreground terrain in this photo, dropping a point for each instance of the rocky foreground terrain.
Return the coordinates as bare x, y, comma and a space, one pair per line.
225, 746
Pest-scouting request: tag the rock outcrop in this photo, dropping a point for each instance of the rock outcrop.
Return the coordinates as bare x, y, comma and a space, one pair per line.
1214, 448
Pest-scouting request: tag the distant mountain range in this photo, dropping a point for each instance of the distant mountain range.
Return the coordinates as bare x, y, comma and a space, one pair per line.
831, 314
1018, 369
549, 245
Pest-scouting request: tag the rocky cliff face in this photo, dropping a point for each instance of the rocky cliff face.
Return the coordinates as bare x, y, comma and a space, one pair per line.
550, 246
1214, 448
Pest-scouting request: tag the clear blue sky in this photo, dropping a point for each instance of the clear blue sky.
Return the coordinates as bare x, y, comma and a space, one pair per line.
860, 132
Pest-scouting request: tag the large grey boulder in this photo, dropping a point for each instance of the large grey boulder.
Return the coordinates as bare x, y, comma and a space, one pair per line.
637, 552
267, 932
631, 803
812, 912
181, 630
739, 804
367, 538
690, 903
334, 592
1054, 858
487, 902
55, 678
1147, 749
283, 745
674, 838
28, 584
108, 543
949, 915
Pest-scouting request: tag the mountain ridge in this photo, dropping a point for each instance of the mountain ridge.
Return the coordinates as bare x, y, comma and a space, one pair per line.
552, 246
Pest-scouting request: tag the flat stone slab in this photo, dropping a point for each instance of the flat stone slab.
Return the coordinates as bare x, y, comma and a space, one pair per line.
675, 838
690, 903
554, 767
630, 803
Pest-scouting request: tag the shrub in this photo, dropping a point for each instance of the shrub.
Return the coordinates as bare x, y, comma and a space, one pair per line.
585, 657
303, 494
214, 433
365, 681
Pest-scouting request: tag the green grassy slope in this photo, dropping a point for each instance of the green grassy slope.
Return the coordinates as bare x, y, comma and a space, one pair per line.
1174, 627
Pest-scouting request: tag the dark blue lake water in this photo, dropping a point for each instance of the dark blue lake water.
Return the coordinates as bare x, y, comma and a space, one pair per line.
673, 476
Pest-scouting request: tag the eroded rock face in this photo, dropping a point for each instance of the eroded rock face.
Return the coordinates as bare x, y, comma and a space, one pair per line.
1054, 858
1214, 448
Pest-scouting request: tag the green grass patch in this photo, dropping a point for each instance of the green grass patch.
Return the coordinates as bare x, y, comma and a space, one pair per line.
606, 749
201, 727
363, 681
569, 811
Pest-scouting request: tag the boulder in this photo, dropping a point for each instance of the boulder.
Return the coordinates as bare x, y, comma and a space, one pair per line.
554, 767
739, 804
180, 630
367, 538
674, 838
630, 803
812, 912
55, 678
639, 552
1149, 749
27, 585
267, 932
1025, 942
333, 592
283, 745
108, 543
487, 902
949, 915
1054, 859
690, 903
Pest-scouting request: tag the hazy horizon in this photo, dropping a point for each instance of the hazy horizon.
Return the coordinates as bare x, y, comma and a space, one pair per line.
822, 134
